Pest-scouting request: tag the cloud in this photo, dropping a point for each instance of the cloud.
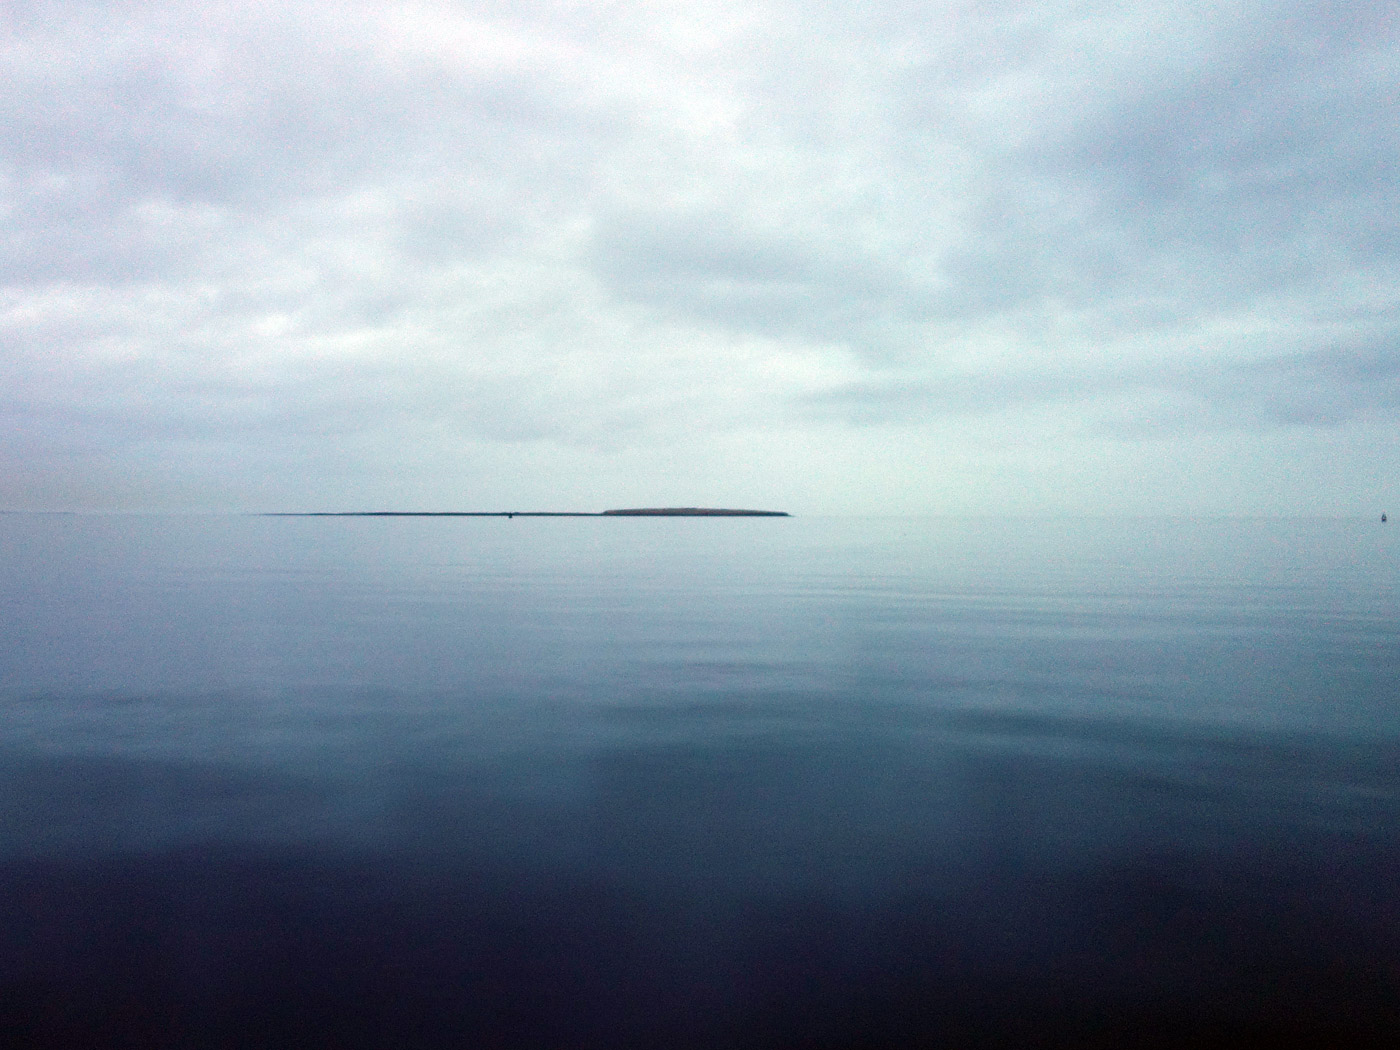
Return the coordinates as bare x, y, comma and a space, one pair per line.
619, 227
1327, 387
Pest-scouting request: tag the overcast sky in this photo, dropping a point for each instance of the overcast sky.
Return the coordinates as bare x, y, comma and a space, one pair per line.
828, 256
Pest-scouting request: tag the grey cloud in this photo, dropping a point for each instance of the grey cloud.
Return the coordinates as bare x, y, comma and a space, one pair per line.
711, 269
1324, 387
1254, 167
102, 120
1179, 191
599, 226
1247, 171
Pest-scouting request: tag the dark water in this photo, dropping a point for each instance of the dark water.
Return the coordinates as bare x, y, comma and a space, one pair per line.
710, 783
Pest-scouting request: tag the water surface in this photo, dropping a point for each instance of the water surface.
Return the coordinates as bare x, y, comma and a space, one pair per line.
697, 782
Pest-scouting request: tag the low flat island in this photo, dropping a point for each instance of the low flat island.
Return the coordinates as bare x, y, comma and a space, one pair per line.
637, 512
697, 512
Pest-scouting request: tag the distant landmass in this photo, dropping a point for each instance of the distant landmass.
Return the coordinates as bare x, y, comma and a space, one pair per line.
699, 512
634, 512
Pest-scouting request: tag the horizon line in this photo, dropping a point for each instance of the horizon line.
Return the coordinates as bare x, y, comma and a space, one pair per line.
638, 512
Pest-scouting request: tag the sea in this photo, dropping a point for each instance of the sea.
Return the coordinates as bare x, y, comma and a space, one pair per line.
808, 782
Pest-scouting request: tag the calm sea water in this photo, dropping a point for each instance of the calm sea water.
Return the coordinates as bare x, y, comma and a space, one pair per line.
698, 782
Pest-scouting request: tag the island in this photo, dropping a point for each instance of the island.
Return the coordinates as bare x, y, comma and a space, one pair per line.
635, 512
698, 512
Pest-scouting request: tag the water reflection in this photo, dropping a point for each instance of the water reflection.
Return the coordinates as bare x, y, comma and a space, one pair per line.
421, 798
991, 878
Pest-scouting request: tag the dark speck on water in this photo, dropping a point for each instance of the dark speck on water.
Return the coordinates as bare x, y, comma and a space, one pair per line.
410, 782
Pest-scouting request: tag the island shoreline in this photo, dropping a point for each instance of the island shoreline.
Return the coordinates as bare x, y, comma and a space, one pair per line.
639, 512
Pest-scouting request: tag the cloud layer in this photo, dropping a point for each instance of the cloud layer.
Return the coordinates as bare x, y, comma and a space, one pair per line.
487, 253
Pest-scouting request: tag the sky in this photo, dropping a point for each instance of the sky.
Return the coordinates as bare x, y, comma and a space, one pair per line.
823, 256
